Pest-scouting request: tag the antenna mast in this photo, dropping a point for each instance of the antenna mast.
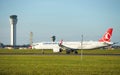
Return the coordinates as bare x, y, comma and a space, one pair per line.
31, 38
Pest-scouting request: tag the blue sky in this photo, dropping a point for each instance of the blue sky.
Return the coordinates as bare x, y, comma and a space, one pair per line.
66, 19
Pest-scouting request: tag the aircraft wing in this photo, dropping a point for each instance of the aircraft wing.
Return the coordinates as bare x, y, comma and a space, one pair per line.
68, 49
63, 47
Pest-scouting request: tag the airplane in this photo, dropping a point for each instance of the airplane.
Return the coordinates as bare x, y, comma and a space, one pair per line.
74, 46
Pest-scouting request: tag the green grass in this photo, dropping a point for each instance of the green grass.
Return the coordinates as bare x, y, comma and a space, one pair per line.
56, 64
23, 51
59, 65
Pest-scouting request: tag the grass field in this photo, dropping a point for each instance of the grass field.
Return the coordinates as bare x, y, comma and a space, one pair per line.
59, 64
32, 51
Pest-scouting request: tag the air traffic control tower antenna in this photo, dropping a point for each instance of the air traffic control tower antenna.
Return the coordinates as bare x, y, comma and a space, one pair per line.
13, 22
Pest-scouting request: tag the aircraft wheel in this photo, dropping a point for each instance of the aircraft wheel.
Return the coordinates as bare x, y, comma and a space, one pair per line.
60, 50
75, 52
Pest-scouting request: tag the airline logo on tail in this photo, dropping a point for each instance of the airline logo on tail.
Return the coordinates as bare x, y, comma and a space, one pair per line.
107, 36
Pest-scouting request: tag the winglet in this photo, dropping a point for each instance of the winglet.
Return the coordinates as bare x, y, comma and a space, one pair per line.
107, 36
61, 41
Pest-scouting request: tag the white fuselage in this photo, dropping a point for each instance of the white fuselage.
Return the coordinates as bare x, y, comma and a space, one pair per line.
73, 45
45, 45
85, 44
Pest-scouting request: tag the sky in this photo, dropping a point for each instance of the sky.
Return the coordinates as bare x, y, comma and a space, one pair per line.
66, 19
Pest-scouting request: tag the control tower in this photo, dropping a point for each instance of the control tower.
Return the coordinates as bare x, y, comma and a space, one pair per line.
13, 22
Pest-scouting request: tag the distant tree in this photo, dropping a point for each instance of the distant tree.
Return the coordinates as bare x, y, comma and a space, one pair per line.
53, 38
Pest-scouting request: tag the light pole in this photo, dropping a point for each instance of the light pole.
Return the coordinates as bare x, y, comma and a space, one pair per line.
81, 47
31, 38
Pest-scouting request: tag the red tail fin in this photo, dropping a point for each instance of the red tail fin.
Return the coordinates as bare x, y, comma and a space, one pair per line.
107, 36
